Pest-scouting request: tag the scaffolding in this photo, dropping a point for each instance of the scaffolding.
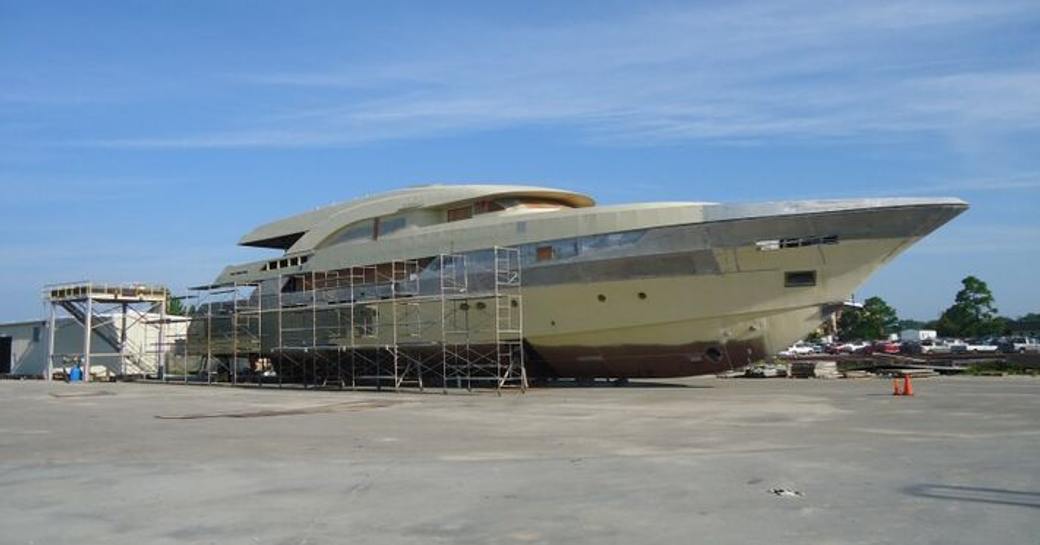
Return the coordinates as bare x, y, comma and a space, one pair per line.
109, 312
171, 338
448, 321
223, 340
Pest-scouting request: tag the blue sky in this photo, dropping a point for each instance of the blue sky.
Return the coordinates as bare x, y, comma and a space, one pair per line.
139, 140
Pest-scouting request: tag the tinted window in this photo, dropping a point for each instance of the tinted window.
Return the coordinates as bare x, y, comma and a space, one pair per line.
609, 240
798, 279
562, 249
359, 232
388, 226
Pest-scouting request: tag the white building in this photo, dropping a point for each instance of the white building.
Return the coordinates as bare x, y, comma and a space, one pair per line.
23, 345
917, 335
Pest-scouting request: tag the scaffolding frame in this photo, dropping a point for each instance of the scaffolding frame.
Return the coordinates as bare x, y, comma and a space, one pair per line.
91, 304
230, 318
170, 344
395, 325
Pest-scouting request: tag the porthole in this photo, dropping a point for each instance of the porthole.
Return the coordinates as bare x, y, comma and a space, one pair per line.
642, 295
713, 354
602, 298
481, 305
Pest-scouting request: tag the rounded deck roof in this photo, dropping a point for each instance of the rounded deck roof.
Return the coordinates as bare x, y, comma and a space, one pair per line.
285, 233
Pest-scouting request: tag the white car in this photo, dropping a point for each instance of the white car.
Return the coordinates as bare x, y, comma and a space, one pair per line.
854, 347
935, 346
1020, 345
957, 346
982, 346
800, 348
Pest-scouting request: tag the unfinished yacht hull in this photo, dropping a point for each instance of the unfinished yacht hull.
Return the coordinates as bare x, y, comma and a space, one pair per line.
649, 290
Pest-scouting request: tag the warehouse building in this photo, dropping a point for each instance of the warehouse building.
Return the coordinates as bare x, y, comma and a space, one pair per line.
24, 345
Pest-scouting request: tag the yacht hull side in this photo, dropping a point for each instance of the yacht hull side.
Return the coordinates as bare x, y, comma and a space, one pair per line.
698, 323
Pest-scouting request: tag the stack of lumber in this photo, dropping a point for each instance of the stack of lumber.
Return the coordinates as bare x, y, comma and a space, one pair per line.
913, 372
815, 369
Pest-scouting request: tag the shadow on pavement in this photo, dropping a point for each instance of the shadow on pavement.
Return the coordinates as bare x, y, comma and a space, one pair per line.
998, 496
612, 384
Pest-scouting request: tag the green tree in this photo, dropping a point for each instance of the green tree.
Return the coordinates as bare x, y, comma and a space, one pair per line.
1030, 324
174, 307
911, 324
973, 312
874, 320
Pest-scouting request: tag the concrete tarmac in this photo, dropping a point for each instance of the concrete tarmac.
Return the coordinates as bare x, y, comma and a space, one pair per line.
688, 461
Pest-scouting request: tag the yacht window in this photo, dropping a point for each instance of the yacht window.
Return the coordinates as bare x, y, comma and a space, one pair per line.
545, 204
358, 232
610, 240
484, 207
562, 249
808, 241
388, 226
800, 242
529, 202
544, 253
799, 279
460, 213
768, 245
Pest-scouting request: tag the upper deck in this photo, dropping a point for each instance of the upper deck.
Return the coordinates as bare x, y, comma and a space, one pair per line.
416, 206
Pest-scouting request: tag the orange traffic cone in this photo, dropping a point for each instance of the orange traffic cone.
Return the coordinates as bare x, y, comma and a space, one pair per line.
895, 387
908, 386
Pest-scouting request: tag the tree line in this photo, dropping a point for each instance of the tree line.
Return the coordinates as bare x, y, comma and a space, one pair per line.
972, 314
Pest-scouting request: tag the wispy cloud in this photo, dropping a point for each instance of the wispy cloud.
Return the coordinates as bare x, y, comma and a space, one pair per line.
58, 190
957, 186
981, 240
1019, 182
736, 73
1031, 181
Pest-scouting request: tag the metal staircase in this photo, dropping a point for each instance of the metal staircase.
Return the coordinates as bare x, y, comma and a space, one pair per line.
104, 327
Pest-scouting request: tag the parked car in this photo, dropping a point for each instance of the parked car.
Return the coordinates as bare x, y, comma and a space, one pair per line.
885, 347
800, 348
852, 347
1019, 345
927, 346
982, 346
957, 346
